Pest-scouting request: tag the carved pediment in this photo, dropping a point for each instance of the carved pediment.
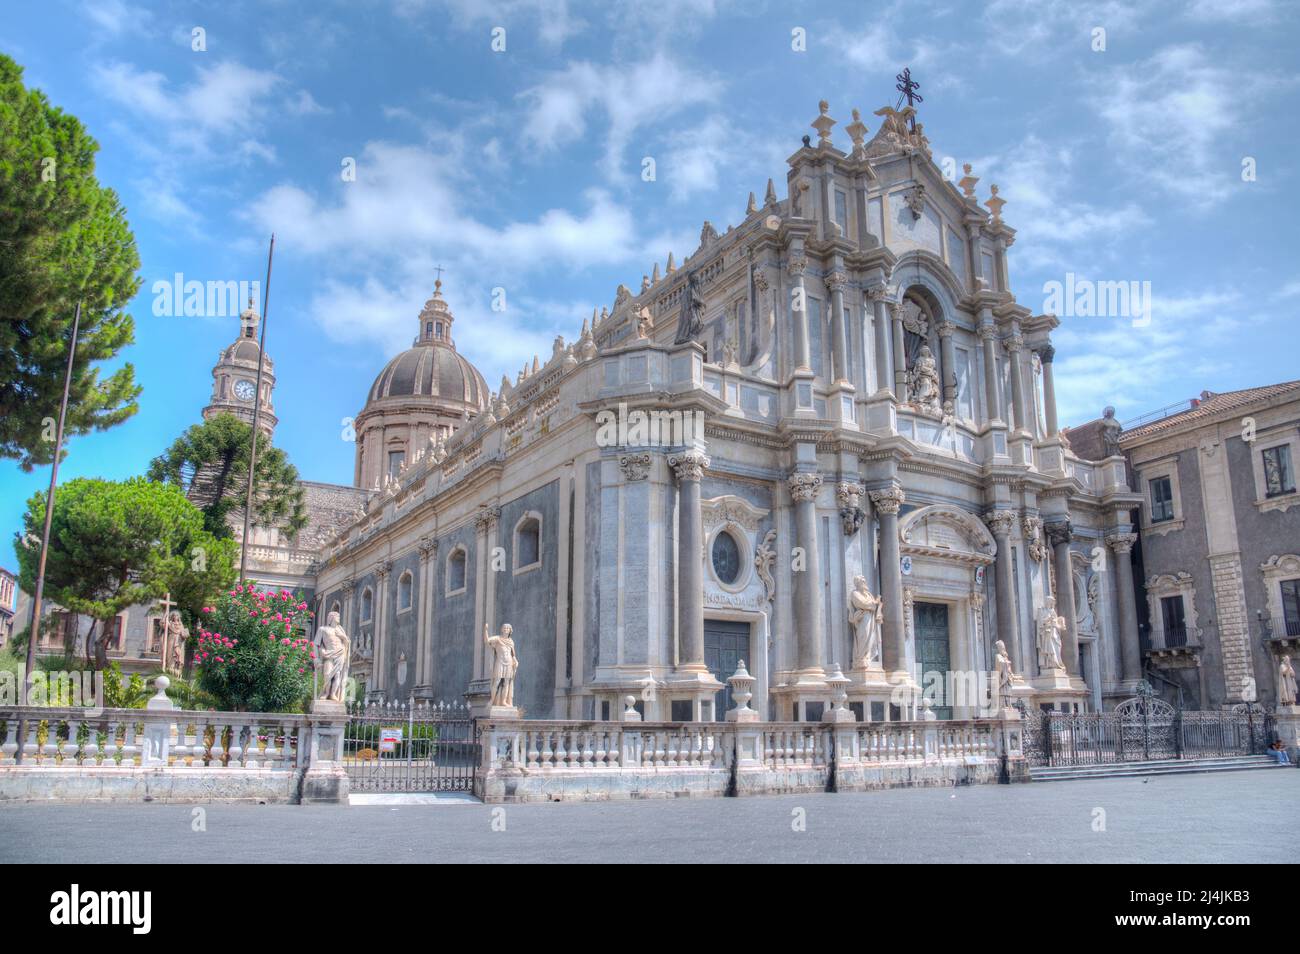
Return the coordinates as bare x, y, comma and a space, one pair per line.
731, 509
946, 532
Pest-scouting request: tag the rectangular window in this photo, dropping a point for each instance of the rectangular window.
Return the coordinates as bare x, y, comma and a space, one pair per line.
1162, 499
395, 460
1291, 607
815, 337
842, 212
965, 401
1175, 625
1278, 476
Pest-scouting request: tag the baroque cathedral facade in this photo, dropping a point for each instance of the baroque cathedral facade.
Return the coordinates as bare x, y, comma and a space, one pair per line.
836, 403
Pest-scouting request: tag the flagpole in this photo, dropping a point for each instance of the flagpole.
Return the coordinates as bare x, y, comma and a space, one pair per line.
34, 630
257, 414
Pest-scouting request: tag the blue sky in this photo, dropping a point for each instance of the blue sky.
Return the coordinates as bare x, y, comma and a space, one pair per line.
520, 170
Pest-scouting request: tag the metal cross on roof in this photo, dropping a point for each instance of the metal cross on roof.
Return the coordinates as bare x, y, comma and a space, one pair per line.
908, 87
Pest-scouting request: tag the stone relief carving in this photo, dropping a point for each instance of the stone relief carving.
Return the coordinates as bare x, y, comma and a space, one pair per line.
731, 509
764, 561
851, 515
634, 466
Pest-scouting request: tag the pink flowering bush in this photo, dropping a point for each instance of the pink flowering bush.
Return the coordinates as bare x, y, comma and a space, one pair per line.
254, 651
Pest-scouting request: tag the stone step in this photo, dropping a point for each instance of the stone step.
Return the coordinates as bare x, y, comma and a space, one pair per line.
1165, 767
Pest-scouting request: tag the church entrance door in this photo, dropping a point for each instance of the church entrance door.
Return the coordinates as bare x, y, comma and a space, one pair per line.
726, 643
932, 659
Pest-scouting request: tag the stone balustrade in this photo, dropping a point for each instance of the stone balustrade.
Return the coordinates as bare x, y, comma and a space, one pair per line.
556, 760
161, 754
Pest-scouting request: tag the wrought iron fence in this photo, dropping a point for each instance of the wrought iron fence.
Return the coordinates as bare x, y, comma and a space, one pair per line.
1141, 730
410, 747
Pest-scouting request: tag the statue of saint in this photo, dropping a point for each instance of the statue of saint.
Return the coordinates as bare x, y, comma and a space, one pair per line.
1051, 626
865, 614
691, 322
1110, 431
1286, 687
174, 645
1002, 666
336, 655
504, 665
926, 389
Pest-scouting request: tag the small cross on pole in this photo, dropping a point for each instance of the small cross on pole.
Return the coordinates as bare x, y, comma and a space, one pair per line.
908, 87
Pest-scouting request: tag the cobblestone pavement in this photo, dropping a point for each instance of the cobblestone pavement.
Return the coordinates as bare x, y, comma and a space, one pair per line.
1228, 817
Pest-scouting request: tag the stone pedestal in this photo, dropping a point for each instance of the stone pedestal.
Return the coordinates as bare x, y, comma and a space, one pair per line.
700, 689
157, 735
1287, 727
502, 713
326, 780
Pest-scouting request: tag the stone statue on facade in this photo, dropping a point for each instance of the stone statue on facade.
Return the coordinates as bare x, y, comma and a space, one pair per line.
926, 391
691, 321
1110, 431
1051, 627
335, 650
866, 613
1286, 685
1006, 676
504, 666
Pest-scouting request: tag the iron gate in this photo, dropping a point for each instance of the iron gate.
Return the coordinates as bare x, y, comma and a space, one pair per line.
1144, 729
410, 747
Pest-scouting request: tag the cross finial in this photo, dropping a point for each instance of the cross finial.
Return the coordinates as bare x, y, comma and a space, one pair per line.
908, 88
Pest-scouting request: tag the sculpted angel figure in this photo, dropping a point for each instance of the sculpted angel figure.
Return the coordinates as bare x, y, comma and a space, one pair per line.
866, 612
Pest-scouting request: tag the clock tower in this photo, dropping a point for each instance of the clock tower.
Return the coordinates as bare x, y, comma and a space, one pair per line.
234, 378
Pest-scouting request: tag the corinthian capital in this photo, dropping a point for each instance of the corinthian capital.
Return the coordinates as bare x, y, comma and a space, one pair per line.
848, 493
486, 518
760, 281
836, 281
1058, 532
1000, 522
383, 568
796, 265
888, 500
1121, 542
688, 465
804, 486
878, 292
427, 547
1014, 343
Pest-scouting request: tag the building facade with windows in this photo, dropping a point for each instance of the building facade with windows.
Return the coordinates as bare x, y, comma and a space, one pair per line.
836, 400
1220, 542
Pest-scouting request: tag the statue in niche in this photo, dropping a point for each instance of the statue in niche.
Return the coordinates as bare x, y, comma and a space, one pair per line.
691, 321
925, 390
1286, 685
1110, 431
1051, 627
335, 651
504, 665
866, 613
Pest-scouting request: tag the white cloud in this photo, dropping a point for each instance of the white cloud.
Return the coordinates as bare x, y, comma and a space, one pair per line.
563, 106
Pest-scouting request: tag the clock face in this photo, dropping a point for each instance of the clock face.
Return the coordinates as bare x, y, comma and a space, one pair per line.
244, 390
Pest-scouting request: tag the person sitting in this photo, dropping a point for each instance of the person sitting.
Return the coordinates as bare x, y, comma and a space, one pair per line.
1278, 752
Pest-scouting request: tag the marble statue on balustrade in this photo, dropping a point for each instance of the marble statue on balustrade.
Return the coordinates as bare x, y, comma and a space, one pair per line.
866, 612
335, 652
1051, 627
1110, 431
926, 391
173, 659
1286, 684
505, 663
691, 322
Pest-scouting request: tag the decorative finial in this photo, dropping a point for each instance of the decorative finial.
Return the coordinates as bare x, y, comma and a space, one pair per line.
654, 276
967, 182
770, 198
995, 204
857, 131
672, 266
751, 206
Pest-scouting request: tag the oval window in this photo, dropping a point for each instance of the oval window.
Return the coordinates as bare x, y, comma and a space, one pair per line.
726, 558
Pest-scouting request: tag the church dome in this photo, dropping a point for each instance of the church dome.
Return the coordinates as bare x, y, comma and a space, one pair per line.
424, 394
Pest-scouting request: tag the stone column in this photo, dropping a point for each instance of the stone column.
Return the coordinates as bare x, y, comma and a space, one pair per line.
1015, 347
1001, 522
839, 332
689, 468
1045, 355
348, 587
802, 355
989, 335
1130, 649
424, 622
900, 350
880, 332
1058, 535
484, 522
949, 357
887, 503
807, 584
377, 676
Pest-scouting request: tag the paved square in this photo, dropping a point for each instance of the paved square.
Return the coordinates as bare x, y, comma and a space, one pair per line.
1231, 817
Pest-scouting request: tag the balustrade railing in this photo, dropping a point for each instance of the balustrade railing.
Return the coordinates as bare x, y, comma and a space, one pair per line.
176, 738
